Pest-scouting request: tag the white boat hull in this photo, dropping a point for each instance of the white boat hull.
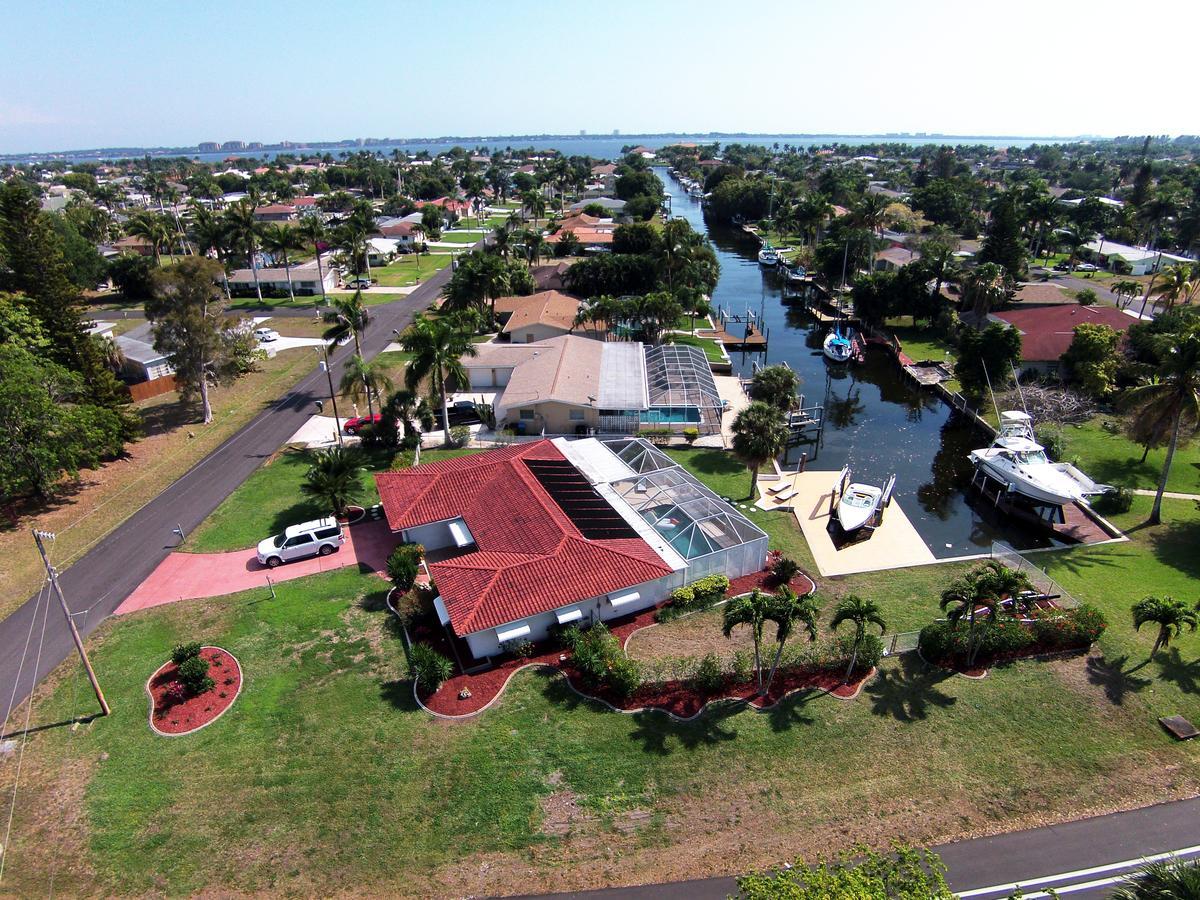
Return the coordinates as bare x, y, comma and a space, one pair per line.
857, 506
1045, 483
836, 350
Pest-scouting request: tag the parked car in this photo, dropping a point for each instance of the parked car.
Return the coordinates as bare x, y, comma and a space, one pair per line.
1087, 267
1062, 267
463, 412
359, 283
320, 537
352, 425
266, 335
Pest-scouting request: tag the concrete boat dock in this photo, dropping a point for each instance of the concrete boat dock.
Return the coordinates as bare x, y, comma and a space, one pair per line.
894, 544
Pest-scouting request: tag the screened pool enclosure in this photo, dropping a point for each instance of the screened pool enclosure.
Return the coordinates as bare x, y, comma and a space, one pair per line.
698, 525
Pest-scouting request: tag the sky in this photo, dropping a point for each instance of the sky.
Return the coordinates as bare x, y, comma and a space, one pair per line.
77, 75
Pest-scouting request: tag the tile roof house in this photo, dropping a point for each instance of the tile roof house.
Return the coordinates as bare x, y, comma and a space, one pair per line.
551, 277
524, 537
275, 212
537, 317
1047, 331
895, 258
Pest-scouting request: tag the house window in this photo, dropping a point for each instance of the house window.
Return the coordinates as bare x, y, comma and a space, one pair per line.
527, 415
577, 415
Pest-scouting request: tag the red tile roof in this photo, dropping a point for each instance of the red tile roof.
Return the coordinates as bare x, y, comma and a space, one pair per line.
530, 558
1046, 331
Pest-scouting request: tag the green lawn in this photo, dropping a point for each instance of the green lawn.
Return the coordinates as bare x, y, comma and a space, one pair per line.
411, 269
712, 349
461, 237
324, 774
1111, 458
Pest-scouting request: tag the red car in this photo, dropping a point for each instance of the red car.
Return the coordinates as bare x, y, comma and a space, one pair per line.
353, 425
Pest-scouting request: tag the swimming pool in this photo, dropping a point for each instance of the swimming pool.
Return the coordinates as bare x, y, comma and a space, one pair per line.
672, 415
675, 526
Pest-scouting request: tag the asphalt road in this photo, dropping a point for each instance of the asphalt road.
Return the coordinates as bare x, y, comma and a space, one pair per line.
108, 573
1082, 859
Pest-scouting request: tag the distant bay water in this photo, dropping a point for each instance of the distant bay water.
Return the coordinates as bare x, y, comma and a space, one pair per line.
596, 146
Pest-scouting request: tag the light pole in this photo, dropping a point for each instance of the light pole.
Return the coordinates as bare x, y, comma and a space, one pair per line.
337, 423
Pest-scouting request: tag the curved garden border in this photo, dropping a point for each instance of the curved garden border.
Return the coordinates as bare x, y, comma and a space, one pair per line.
639, 709
229, 706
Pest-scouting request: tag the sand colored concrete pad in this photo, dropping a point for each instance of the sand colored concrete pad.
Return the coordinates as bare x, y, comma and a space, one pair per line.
893, 545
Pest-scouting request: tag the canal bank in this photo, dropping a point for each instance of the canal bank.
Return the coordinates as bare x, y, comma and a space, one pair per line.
878, 422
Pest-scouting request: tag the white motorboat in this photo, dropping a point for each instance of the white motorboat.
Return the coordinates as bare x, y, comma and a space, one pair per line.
796, 274
837, 347
858, 505
1016, 460
768, 256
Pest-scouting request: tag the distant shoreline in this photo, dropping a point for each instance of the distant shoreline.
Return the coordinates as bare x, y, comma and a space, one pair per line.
519, 140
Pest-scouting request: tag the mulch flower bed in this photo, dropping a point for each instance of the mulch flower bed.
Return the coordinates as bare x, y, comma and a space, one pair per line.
193, 713
463, 694
982, 665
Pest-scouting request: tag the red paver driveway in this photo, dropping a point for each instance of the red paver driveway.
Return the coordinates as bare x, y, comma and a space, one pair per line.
190, 576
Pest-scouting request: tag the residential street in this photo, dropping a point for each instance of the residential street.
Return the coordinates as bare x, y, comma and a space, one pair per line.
1082, 859
111, 570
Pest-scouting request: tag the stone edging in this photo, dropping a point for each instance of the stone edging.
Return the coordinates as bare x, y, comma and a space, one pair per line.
175, 734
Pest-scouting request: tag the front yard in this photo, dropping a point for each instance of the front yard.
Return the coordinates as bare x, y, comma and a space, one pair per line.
324, 774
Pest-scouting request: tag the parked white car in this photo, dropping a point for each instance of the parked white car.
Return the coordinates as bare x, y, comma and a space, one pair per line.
318, 537
266, 335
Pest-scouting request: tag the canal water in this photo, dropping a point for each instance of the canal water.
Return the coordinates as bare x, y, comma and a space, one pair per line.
877, 421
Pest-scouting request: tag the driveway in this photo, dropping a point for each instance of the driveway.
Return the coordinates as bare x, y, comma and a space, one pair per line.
192, 576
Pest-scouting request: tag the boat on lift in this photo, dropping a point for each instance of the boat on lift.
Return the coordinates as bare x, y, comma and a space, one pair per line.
796, 274
1016, 460
768, 256
860, 504
837, 347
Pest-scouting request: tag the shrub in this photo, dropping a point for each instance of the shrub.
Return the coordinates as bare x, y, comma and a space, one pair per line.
1068, 629
403, 565
710, 676
870, 652
460, 436
690, 434
414, 606
683, 596
193, 675
1115, 501
710, 588
1052, 441
600, 659
565, 636
521, 648
624, 676
428, 668
175, 693
785, 569
742, 665
183, 652
1004, 636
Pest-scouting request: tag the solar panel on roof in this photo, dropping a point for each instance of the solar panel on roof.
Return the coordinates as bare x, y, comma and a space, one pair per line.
577, 498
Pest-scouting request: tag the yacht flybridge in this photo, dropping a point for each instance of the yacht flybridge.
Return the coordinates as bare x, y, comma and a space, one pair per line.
1017, 461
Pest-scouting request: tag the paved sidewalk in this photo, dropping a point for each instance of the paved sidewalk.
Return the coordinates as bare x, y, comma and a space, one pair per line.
1170, 495
192, 576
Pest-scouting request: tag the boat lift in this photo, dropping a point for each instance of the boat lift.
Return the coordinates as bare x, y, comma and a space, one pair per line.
839, 488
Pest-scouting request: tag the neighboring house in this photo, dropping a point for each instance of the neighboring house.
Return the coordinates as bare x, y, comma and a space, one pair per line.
449, 204
142, 361
524, 538
276, 212
551, 277
576, 385
403, 232
895, 258
615, 207
1106, 201
1140, 260
305, 279
591, 231
537, 317
881, 188
1047, 331
134, 244
381, 251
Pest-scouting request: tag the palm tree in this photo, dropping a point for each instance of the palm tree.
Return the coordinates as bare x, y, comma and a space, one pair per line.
335, 478
1171, 401
211, 235
365, 379
869, 212
534, 246
535, 203
282, 239
861, 613
749, 610
1177, 286
314, 232
759, 435
984, 287
787, 611
437, 346
244, 232
501, 242
1167, 879
152, 229
1126, 290
1170, 615
1076, 237
349, 318
984, 587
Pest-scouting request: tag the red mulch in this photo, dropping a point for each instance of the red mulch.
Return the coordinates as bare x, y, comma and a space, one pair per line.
978, 671
676, 697
195, 712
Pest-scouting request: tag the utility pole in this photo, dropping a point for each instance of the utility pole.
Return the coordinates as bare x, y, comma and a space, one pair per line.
337, 423
52, 574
